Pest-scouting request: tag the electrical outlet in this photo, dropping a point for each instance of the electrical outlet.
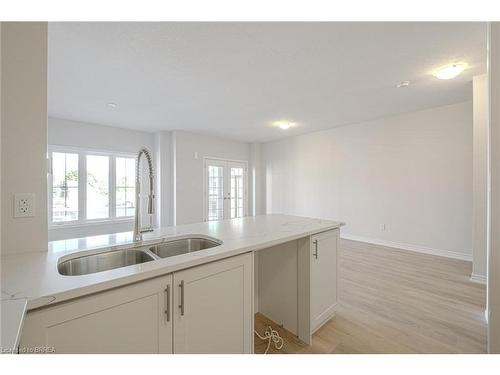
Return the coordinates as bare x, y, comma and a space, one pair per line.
382, 227
24, 205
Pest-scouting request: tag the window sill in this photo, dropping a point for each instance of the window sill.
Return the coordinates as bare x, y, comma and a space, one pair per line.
91, 223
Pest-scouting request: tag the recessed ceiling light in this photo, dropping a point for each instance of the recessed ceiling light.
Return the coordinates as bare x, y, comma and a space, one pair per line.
450, 71
283, 124
403, 84
112, 105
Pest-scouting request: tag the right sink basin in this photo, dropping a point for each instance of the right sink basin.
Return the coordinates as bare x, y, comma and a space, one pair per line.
183, 246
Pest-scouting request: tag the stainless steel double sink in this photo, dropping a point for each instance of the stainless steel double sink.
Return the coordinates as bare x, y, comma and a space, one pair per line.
111, 259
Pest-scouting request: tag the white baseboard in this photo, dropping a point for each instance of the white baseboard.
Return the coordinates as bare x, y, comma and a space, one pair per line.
409, 247
481, 279
324, 317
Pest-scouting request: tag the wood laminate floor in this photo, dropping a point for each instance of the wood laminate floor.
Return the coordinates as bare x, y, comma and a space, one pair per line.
394, 301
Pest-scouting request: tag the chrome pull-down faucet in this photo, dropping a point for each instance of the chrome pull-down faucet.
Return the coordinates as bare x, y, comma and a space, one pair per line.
150, 208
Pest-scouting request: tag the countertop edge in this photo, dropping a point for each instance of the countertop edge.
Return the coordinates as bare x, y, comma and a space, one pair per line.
9, 340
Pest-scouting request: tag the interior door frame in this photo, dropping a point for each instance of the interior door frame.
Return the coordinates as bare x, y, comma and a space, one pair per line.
226, 185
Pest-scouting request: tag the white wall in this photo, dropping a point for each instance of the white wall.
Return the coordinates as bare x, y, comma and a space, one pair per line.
494, 240
0, 136
189, 170
24, 133
411, 172
480, 178
98, 137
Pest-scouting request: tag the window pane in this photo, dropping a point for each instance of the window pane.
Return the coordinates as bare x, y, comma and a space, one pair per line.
64, 187
58, 169
215, 193
236, 192
120, 202
125, 187
97, 187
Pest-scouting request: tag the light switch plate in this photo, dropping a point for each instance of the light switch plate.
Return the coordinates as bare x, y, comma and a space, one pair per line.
24, 205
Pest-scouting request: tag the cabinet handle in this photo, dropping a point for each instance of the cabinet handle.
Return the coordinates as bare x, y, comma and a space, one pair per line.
167, 302
315, 253
181, 306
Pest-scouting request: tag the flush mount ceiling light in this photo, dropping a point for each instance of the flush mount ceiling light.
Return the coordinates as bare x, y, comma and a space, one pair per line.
284, 125
403, 84
111, 105
450, 71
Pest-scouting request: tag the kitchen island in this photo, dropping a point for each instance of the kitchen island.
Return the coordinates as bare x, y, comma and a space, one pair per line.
267, 258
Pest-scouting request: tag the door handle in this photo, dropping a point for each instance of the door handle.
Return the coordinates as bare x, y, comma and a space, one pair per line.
181, 305
315, 253
167, 303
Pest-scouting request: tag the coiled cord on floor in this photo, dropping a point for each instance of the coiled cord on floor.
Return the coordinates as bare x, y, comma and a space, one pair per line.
272, 336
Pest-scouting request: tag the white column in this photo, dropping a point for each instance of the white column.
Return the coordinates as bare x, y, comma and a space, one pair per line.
494, 244
24, 133
164, 178
480, 178
257, 181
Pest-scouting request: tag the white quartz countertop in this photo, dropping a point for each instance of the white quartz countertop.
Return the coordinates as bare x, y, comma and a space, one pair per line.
35, 278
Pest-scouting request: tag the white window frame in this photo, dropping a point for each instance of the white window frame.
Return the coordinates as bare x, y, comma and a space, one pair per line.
228, 162
82, 187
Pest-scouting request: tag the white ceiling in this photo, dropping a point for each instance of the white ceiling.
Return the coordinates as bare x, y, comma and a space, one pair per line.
233, 79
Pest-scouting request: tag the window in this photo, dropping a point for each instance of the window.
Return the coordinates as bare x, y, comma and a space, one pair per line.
97, 187
64, 187
125, 187
88, 186
236, 191
215, 192
225, 189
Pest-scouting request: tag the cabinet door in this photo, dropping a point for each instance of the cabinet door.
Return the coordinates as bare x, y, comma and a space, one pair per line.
129, 319
323, 277
213, 307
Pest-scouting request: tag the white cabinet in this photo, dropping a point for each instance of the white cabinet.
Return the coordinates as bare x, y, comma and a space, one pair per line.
129, 319
324, 273
204, 309
213, 310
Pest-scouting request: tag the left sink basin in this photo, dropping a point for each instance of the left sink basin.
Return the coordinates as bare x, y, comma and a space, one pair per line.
105, 261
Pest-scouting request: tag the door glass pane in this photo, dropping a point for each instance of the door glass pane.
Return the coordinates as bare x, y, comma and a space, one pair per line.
64, 187
125, 187
215, 193
97, 187
236, 192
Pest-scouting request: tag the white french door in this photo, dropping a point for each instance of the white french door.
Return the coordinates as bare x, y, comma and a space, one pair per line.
225, 195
